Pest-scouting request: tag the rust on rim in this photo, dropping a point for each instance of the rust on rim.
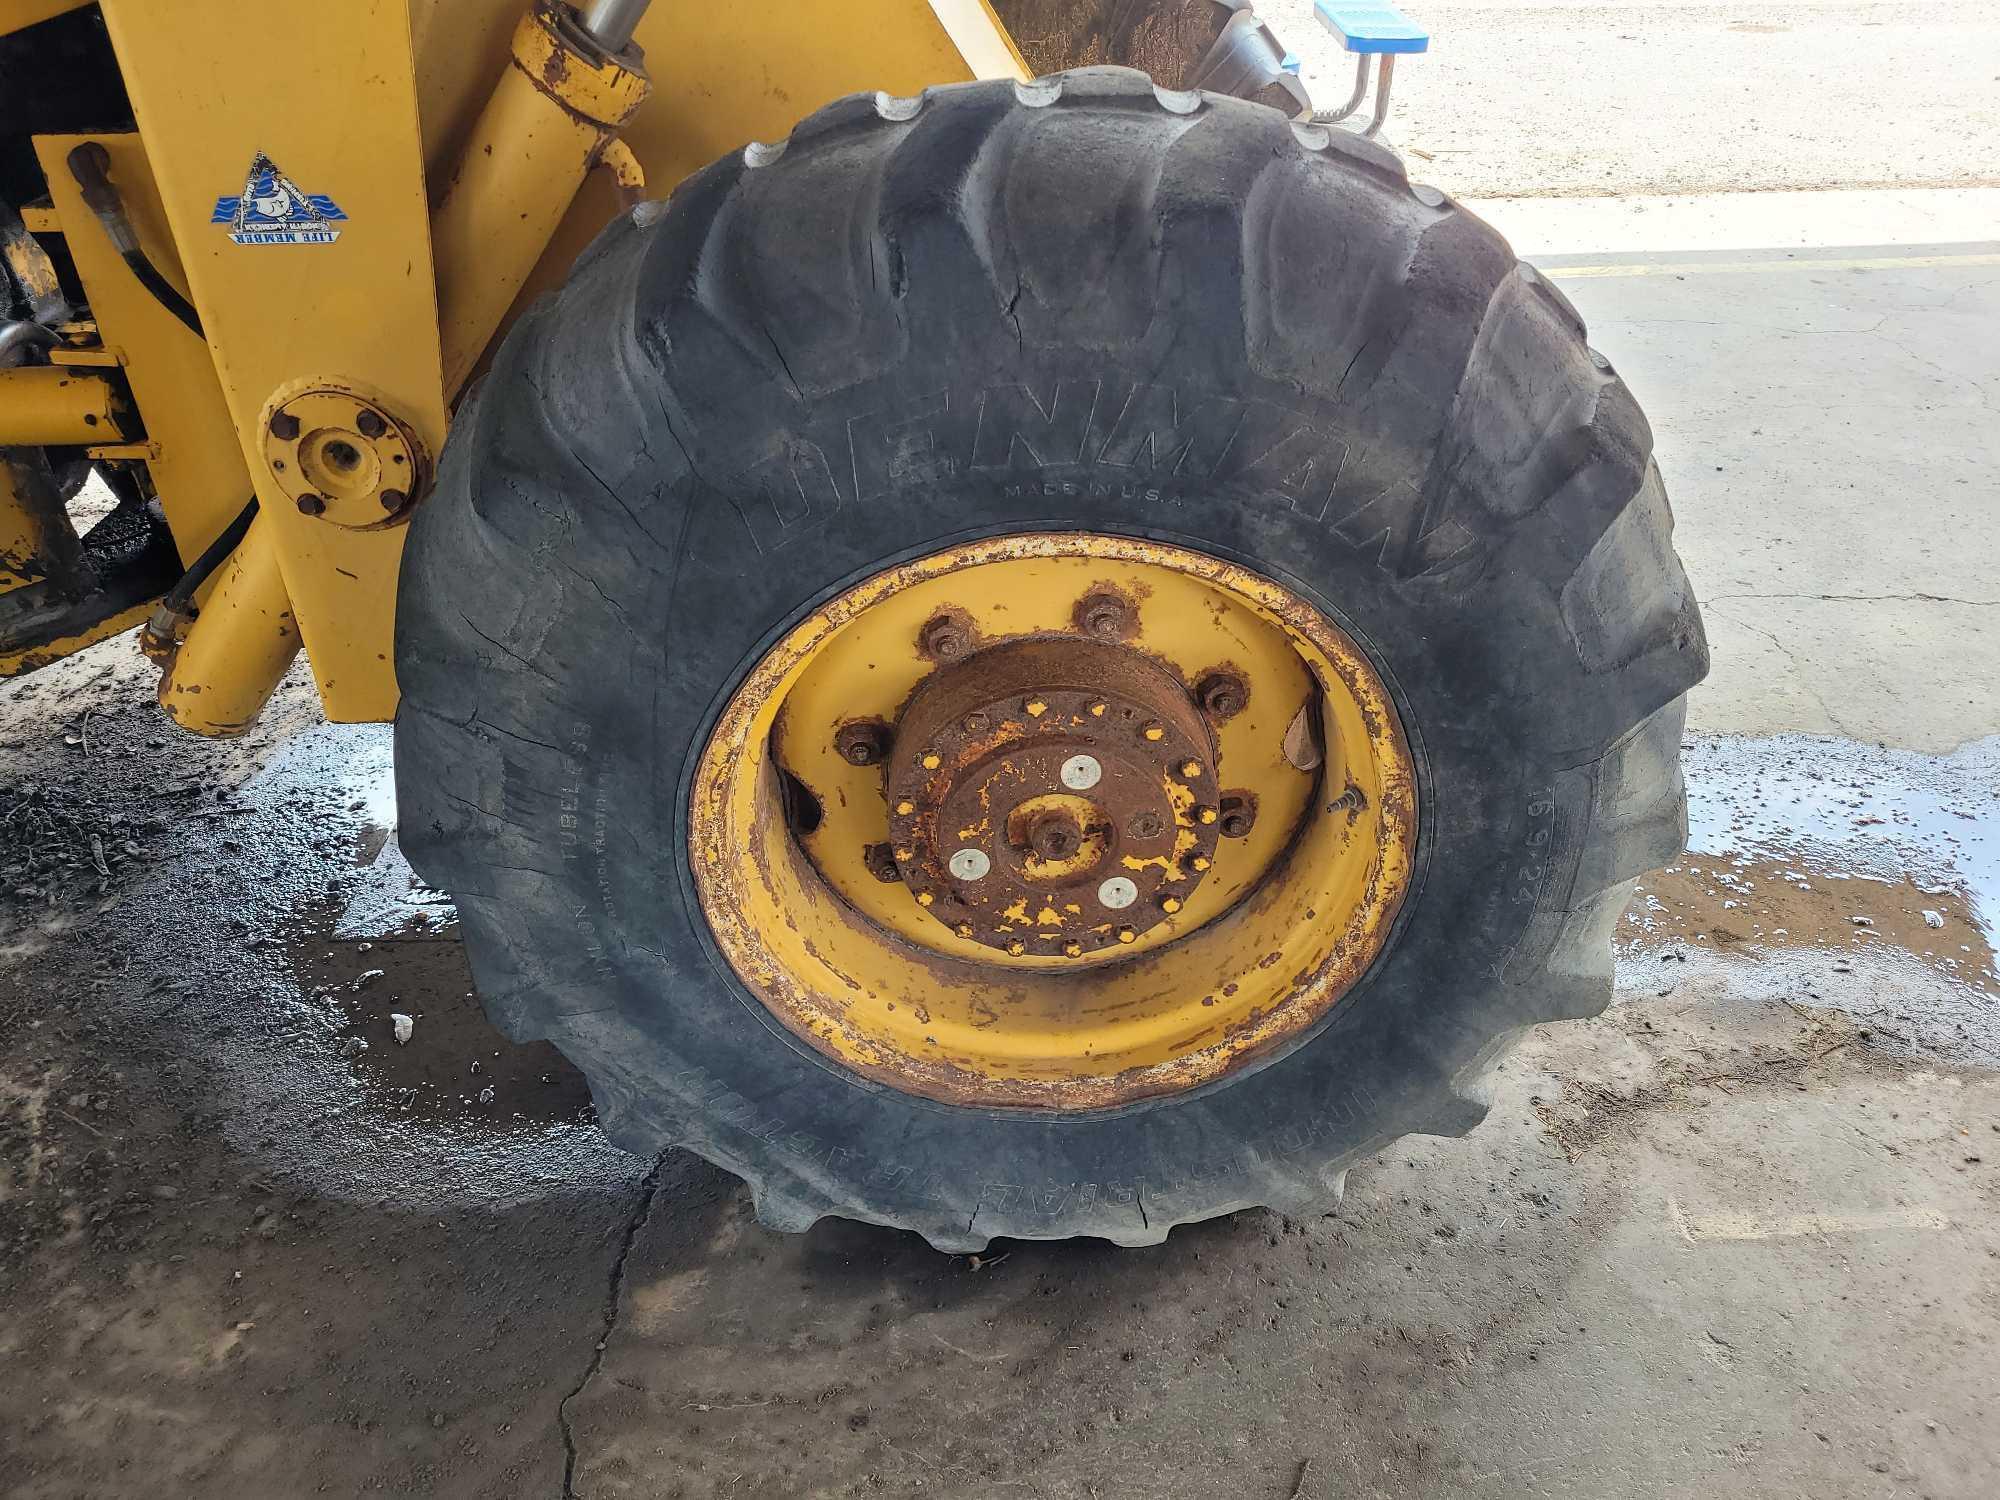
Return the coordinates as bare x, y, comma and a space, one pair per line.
1032, 806
1022, 888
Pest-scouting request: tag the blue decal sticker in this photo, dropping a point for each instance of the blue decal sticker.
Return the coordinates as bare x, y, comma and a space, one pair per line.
272, 210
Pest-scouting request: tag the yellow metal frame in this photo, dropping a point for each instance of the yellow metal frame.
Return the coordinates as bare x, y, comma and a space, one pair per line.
48, 405
458, 137
340, 117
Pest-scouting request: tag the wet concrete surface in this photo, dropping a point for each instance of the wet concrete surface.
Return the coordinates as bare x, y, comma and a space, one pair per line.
1738, 1232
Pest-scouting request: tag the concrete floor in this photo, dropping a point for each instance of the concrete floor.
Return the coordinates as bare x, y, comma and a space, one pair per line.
1827, 413
1737, 1236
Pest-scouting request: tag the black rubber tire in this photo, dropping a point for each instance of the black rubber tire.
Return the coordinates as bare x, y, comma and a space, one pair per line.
823, 357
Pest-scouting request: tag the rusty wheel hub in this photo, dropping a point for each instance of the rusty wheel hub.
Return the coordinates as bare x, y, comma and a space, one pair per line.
1031, 821
1052, 796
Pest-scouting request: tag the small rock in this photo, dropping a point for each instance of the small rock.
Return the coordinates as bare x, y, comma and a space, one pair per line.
1933, 918
403, 1026
367, 977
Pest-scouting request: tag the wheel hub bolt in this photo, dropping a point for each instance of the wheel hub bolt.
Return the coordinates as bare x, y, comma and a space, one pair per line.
1117, 893
1222, 695
1081, 772
944, 639
1054, 836
1103, 614
862, 744
311, 505
970, 864
881, 862
1238, 815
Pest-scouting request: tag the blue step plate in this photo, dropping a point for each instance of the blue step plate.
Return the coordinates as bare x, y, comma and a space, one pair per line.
1372, 28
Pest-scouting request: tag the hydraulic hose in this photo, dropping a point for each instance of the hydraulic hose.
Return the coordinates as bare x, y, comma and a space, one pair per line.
90, 165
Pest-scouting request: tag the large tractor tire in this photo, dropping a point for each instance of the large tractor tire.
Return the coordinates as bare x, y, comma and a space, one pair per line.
1043, 660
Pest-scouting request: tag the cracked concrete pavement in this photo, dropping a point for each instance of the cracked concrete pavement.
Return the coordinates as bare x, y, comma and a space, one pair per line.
1737, 1235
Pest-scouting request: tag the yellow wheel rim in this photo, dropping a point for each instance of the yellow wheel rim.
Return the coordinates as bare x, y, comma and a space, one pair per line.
1055, 821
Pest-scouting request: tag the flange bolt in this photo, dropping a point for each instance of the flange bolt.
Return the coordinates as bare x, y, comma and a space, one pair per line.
1222, 695
944, 639
1238, 815
881, 862
863, 743
1104, 615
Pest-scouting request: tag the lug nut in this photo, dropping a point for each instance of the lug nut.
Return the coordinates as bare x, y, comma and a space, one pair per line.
1103, 614
1222, 695
284, 426
1238, 815
944, 639
1153, 731
862, 743
311, 505
370, 423
1190, 769
1016, 948
881, 862
394, 500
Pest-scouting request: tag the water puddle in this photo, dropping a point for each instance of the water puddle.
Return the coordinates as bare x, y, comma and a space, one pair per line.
344, 940
1857, 878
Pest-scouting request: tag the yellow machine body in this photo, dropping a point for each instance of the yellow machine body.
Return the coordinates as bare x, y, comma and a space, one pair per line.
451, 151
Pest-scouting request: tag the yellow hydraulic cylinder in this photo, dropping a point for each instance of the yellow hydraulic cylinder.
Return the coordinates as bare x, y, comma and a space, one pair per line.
553, 113
239, 647
49, 406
